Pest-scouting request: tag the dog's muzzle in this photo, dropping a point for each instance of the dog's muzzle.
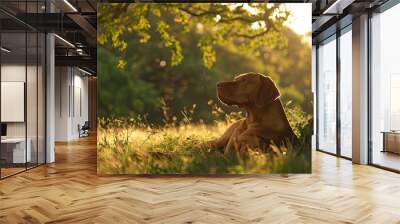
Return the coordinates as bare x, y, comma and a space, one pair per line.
223, 88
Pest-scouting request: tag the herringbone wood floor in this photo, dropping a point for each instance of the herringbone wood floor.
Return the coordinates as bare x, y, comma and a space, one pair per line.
69, 191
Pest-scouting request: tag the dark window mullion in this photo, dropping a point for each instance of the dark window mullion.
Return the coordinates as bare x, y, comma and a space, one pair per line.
0, 97
26, 87
338, 73
44, 71
369, 90
37, 91
316, 118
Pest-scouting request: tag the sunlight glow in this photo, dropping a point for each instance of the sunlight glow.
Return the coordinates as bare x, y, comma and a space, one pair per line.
300, 19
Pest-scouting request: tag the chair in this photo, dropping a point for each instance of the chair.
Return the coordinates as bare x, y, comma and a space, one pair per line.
84, 130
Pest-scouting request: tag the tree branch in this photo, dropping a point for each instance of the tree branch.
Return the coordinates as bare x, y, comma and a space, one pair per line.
239, 18
251, 36
204, 13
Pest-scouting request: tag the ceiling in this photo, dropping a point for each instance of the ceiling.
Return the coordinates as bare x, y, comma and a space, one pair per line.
75, 22
336, 13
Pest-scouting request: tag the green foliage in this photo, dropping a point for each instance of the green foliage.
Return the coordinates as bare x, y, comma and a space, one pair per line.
248, 26
120, 93
298, 119
179, 86
153, 79
138, 75
208, 52
170, 42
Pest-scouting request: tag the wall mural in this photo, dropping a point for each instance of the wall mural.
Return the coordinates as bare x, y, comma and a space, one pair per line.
212, 88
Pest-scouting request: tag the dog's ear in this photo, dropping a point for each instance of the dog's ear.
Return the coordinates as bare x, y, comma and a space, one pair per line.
267, 91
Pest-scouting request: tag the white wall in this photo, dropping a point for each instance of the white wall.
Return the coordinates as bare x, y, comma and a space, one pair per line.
62, 81
13, 73
80, 104
10, 73
71, 102
33, 127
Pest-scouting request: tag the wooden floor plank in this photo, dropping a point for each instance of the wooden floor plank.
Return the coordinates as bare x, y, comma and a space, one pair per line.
69, 191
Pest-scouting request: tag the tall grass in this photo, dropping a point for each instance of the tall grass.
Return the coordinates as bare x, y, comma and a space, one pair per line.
134, 146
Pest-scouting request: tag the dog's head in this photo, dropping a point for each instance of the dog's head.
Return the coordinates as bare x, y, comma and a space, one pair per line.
248, 89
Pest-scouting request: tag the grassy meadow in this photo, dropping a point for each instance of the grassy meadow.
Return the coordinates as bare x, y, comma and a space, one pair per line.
135, 146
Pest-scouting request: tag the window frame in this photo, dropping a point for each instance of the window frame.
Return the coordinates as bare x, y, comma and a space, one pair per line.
332, 37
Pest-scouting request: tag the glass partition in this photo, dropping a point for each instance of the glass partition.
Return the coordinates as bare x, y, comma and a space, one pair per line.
22, 77
327, 96
14, 151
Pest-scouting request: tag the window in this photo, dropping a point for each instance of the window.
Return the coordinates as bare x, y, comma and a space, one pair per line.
385, 89
327, 96
394, 102
346, 93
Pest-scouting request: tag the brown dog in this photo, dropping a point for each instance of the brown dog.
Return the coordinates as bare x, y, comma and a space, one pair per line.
266, 120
